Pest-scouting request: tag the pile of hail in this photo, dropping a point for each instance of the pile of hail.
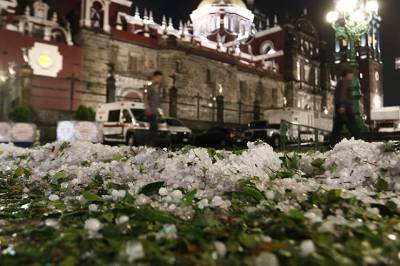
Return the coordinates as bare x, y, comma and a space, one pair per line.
76, 203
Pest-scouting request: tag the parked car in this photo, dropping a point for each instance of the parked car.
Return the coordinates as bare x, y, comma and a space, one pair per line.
126, 122
262, 130
180, 134
219, 137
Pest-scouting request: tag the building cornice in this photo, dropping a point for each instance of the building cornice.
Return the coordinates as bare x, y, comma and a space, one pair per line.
123, 2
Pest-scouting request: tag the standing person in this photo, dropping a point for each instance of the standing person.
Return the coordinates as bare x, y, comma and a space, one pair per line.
344, 114
151, 102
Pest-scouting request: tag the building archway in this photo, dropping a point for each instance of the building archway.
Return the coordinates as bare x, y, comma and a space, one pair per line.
132, 95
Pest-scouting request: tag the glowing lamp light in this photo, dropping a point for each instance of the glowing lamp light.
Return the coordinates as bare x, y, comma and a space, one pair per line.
358, 16
372, 6
377, 101
346, 5
220, 88
3, 78
332, 17
45, 61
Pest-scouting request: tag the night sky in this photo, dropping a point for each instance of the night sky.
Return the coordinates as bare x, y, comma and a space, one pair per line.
390, 12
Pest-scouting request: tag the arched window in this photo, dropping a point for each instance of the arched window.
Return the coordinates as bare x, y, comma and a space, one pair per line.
58, 36
132, 95
97, 15
267, 47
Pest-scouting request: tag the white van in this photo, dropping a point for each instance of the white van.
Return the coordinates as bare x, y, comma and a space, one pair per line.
126, 122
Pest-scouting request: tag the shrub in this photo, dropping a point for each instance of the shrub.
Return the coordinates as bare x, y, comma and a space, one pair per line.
85, 113
21, 114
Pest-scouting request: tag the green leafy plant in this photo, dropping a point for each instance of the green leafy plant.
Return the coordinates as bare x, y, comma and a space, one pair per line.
318, 163
85, 113
290, 165
21, 114
381, 185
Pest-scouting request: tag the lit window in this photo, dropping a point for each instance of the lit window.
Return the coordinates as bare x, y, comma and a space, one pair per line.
298, 70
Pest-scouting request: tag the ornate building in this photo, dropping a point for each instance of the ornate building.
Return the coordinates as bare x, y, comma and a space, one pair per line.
220, 66
37, 60
371, 66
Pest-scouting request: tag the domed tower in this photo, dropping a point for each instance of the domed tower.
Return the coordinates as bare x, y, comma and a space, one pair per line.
230, 20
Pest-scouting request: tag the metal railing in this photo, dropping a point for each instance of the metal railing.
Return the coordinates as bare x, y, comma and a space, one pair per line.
297, 135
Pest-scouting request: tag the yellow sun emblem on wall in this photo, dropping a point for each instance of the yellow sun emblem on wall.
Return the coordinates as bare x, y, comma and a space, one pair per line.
45, 61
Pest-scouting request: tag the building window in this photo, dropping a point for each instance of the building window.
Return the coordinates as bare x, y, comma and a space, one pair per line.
173, 102
58, 36
243, 90
97, 15
274, 97
257, 110
307, 73
267, 47
133, 63
178, 67
209, 76
38, 32
298, 69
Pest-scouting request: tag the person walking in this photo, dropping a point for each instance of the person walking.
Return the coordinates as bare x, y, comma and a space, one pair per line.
344, 114
151, 102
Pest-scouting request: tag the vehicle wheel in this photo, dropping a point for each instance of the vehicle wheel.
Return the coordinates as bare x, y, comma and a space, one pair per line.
131, 140
276, 142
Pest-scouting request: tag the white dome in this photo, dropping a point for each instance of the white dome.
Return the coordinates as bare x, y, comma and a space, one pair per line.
232, 14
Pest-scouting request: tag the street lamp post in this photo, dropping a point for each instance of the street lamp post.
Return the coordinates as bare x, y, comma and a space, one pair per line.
351, 20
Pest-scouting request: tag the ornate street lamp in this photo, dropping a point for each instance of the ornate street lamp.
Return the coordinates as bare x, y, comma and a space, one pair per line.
351, 20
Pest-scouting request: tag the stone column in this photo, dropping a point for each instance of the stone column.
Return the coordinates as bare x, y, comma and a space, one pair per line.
83, 12
106, 19
87, 18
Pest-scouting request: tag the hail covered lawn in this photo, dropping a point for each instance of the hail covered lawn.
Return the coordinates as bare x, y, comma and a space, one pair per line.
87, 204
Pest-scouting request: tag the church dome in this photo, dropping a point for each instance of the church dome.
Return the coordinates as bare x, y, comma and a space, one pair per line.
232, 2
222, 17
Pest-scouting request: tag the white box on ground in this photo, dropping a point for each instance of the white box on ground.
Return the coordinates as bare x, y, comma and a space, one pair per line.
79, 131
5, 132
17, 132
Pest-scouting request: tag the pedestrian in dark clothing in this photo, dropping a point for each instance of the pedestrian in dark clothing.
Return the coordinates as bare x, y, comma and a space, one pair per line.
344, 114
151, 102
